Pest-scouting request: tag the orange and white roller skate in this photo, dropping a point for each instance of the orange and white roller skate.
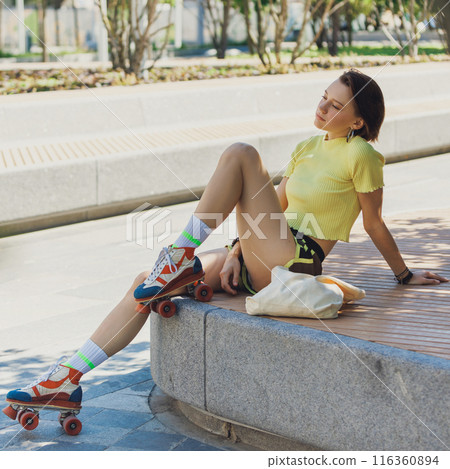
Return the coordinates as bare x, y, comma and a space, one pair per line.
58, 389
175, 268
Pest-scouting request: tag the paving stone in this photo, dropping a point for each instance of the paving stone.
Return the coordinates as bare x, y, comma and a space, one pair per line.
95, 434
121, 448
121, 400
103, 388
193, 445
45, 431
77, 446
85, 414
26, 446
155, 425
8, 433
100, 386
120, 419
17, 436
5, 421
143, 388
149, 441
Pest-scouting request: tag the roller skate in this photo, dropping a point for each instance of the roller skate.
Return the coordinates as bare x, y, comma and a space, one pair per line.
175, 268
57, 389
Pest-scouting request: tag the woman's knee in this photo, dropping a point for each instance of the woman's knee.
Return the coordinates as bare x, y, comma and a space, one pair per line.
139, 279
242, 151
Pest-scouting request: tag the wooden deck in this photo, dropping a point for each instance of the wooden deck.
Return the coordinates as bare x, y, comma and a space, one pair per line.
409, 317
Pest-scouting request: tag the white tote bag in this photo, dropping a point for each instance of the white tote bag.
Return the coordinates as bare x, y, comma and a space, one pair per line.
294, 294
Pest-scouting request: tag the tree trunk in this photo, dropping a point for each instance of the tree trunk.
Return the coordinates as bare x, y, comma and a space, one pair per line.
280, 19
224, 30
321, 39
218, 19
1, 29
128, 25
443, 18
261, 39
349, 19
308, 14
57, 27
76, 25
250, 39
336, 23
413, 43
42, 8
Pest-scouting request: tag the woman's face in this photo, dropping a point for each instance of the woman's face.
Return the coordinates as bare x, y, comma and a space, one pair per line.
336, 112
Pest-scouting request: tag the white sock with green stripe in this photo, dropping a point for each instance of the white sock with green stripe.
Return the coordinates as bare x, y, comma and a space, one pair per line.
87, 358
194, 234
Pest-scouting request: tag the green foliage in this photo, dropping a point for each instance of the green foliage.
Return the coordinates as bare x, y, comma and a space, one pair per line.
56, 4
357, 7
385, 51
360, 51
29, 81
4, 55
239, 4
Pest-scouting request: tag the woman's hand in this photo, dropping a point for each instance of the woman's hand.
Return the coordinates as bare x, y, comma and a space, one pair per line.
423, 277
229, 275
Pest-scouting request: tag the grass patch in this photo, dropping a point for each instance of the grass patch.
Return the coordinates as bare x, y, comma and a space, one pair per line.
386, 50
5, 55
358, 51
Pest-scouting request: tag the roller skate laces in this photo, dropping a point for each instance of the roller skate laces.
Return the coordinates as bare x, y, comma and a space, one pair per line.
173, 267
57, 386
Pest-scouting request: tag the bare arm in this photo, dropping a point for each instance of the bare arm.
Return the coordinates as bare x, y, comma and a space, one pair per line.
375, 227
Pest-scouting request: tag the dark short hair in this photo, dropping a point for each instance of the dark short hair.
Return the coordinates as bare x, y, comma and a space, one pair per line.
369, 102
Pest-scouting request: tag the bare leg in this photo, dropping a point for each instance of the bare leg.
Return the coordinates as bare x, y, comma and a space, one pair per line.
241, 180
123, 323
212, 262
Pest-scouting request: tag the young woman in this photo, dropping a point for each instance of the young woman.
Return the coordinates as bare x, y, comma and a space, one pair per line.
329, 180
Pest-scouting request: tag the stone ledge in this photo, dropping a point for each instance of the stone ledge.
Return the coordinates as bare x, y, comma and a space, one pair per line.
77, 190
312, 387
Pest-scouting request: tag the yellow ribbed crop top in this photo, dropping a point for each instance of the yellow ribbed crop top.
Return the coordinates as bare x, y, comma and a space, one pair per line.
324, 178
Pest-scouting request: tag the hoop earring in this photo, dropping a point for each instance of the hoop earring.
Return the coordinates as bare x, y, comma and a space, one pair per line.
351, 134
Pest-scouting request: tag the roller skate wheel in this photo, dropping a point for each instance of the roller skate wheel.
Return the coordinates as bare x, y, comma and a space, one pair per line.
62, 417
29, 420
153, 305
143, 309
72, 426
203, 292
10, 412
166, 308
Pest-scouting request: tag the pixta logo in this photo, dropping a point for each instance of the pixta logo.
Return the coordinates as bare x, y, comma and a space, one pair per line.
148, 224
